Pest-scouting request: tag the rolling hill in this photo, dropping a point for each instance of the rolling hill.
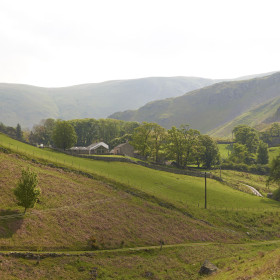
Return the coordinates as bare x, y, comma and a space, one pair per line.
128, 210
214, 109
27, 105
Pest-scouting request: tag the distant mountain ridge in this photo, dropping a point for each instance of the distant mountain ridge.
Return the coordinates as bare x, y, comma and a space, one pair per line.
212, 108
27, 105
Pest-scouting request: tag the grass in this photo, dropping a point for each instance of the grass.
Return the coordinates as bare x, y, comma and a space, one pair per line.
238, 179
180, 190
130, 206
73, 208
258, 261
225, 150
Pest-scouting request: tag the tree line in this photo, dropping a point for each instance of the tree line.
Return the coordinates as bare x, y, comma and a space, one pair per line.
184, 145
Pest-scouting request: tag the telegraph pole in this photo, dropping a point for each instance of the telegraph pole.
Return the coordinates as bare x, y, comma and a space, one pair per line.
205, 191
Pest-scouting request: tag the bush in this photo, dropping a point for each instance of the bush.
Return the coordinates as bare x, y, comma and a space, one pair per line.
276, 195
92, 243
259, 169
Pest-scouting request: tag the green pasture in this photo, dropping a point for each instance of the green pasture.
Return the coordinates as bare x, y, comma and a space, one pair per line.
225, 150
180, 190
273, 153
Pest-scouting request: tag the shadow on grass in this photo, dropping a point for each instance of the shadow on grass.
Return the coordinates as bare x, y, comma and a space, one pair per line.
10, 222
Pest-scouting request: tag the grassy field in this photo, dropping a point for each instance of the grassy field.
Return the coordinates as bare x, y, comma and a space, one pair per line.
73, 208
180, 190
240, 179
126, 206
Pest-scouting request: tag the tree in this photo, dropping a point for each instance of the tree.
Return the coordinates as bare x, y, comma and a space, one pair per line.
141, 139
211, 154
247, 136
262, 153
275, 130
26, 191
175, 143
64, 135
18, 132
157, 140
240, 154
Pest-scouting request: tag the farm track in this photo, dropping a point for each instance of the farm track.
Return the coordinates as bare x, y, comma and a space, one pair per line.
35, 254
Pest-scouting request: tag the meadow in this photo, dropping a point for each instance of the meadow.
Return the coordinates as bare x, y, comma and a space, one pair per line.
180, 190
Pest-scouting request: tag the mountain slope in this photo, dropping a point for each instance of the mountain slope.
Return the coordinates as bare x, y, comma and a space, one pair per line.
260, 116
27, 105
211, 107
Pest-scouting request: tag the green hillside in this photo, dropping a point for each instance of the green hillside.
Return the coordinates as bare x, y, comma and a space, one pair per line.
255, 117
128, 209
214, 106
27, 105
179, 190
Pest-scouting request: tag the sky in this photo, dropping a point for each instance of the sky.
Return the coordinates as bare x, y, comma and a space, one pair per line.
57, 43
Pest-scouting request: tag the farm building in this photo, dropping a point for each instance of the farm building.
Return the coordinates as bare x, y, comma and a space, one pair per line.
98, 148
95, 148
124, 149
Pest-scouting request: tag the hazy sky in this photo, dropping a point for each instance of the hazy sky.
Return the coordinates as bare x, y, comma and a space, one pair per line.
66, 42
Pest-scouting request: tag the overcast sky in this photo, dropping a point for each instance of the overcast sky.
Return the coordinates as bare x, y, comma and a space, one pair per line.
65, 42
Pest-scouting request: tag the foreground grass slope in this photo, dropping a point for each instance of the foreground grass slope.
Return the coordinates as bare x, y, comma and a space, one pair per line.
72, 208
127, 195
235, 261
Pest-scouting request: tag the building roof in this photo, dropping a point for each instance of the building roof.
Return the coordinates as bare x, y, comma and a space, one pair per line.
94, 146
120, 145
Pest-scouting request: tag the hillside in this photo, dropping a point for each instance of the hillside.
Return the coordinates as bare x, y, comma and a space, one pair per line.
128, 209
259, 117
213, 107
27, 105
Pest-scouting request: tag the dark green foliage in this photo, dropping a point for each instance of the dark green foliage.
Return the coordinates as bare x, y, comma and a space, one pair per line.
262, 153
26, 191
210, 156
255, 168
247, 136
8, 130
106, 130
18, 132
64, 135
276, 194
42, 133
274, 175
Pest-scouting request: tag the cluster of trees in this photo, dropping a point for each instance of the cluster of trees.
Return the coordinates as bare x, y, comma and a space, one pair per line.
81, 132
183, 145
268, 135
15, 133
248, 147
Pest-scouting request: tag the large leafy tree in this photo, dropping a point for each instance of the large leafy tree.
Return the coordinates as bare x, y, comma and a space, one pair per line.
64, 135
42, 132
157, 140
247, 136
141, 139
211, 154
26, 191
